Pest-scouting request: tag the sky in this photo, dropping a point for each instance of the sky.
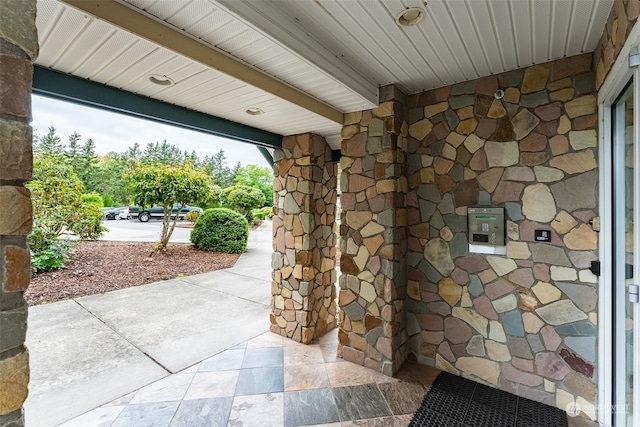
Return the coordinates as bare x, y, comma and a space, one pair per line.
117, 132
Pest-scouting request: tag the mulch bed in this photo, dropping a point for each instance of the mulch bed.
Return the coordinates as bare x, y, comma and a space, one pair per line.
96, 267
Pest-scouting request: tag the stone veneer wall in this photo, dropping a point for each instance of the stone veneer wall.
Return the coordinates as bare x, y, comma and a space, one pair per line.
18, 47
622, 18
373, 235
524, 322
303, 303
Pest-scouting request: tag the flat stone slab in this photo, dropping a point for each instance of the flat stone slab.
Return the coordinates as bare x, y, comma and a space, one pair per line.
78, 363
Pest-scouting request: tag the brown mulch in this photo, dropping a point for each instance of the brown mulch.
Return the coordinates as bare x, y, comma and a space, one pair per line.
96, 267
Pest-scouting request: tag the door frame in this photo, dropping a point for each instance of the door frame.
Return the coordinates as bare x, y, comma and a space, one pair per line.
612, 87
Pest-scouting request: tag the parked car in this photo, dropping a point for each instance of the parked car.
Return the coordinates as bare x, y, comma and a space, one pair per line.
155, 211
117, 213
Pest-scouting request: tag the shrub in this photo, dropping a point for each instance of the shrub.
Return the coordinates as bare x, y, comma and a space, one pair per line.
192, 216
58, 207
243, 199
262, 213
48, 252
221, 230
88, 224
107, 200
92, 198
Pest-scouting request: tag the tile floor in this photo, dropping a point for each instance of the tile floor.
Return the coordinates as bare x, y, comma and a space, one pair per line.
274, 382
270, 381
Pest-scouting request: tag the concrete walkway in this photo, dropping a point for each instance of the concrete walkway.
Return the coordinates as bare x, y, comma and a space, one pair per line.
89, 351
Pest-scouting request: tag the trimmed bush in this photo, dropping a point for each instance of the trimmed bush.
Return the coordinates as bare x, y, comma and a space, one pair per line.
191, 216
221, 230
262, 213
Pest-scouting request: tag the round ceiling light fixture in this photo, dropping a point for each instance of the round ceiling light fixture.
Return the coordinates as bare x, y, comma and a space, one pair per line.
410, 17
161, 80
254, 111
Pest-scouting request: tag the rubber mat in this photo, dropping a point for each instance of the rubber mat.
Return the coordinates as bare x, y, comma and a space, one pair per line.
453, 401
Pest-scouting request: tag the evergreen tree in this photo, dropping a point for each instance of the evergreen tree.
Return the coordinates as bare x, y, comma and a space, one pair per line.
216, 167
49, 144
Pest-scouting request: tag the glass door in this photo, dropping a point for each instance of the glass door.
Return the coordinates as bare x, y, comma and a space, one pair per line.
625, 288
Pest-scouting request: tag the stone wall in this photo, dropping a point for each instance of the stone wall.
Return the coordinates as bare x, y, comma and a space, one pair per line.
622, 18
373, 235
18, 48
524, 322
303, 303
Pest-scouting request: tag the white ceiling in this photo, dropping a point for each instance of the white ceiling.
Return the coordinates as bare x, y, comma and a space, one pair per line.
304, 62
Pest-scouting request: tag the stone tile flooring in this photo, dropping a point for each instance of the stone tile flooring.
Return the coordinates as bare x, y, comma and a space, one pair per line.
271, 381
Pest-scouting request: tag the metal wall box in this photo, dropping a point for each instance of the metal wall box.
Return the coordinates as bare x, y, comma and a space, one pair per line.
487, 230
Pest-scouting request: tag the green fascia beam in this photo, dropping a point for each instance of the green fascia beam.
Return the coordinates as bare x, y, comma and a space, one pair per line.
266, 154
65, 87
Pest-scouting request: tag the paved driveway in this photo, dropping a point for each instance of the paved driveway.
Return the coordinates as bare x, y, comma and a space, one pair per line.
135, 231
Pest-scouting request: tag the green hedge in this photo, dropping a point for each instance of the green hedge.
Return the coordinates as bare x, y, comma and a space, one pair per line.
221, 230
262, 213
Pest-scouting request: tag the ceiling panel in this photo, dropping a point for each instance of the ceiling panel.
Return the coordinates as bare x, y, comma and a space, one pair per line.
458, 40
487, 34
232, 35
337, 52
541, 24
72, 42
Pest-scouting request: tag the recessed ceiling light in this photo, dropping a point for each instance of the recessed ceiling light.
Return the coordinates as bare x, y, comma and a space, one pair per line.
160, 79
254, 111
410, 17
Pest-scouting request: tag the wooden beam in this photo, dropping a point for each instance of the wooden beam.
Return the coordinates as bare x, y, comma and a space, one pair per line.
159, 33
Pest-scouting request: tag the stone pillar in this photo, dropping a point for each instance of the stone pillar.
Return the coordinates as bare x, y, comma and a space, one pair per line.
373, 235
303, 305
18, 48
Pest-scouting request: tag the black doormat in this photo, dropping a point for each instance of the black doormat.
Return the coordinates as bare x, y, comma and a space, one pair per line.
454, 401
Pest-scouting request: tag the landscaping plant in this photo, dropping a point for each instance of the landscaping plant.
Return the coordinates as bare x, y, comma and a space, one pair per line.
58, 207
221, 230
166, 186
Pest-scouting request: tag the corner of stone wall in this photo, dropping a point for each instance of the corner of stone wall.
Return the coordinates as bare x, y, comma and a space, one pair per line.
623, 16
373, 235
303, 304
18, 47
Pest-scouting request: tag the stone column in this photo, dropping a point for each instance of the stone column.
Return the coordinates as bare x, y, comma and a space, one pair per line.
303, 305
373, 235
18, 48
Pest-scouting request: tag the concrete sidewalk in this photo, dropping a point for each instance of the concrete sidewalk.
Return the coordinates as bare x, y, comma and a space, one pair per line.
91, 350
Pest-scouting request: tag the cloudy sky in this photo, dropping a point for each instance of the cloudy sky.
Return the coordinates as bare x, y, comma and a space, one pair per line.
117, 132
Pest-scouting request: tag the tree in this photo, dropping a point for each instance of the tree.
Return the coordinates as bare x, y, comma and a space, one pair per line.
259, 177
166, 186
110, 175
216, 167
83, 160
87, 165
56, 194
163, 153
242, 199
49, 144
